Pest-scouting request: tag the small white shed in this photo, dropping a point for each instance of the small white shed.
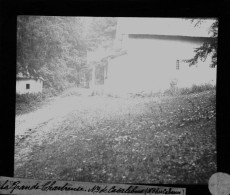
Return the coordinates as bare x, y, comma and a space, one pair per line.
30, 85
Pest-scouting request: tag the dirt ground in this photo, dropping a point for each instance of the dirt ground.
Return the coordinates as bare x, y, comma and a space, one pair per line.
119, 140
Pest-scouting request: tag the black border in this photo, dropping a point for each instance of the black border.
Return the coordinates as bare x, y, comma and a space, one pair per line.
123, 8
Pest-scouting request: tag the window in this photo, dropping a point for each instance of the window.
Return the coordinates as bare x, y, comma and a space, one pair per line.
27, 86
177, 65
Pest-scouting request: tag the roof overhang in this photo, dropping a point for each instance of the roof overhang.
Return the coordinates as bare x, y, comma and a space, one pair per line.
164, 26
115, 55
29, 78
169, 37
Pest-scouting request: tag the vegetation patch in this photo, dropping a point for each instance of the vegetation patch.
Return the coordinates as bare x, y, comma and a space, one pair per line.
26, 103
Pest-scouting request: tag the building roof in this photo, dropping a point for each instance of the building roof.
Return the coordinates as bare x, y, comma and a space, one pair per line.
22, 76
100, 54
150, 27
163, 26
28, 78
115, 54
95, 56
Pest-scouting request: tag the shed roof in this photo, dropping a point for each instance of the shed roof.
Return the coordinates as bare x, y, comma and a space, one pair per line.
28, 78
22, 76
114, 54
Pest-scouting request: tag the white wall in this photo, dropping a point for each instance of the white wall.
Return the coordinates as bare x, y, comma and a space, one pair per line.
151, 64
163, 26
35, 86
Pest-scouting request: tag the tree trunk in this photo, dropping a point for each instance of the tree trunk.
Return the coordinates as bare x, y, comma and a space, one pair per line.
93, 77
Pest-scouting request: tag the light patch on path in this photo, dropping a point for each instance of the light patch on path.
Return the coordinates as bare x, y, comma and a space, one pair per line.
61, 106
46, 124
57, 109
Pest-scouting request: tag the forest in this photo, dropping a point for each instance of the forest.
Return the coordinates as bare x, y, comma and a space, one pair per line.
55, 48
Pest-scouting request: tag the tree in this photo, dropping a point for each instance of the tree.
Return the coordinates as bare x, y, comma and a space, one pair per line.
101, 32
51, 47
209, 47
55, 48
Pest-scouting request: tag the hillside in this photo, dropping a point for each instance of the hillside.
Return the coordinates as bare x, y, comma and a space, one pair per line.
169, 139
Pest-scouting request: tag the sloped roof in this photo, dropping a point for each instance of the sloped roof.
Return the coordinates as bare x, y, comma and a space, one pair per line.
115, 54
99, 54
163, 26
22, 76
95, 56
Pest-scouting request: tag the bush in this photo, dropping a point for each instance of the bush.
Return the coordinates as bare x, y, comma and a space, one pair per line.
212, 100
173, 90
143, 94
28, 102
49, 92
27, 98
196, 89
72, 92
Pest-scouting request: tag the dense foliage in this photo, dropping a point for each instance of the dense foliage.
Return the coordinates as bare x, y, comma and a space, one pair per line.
101, 32
209, 47
55, 48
